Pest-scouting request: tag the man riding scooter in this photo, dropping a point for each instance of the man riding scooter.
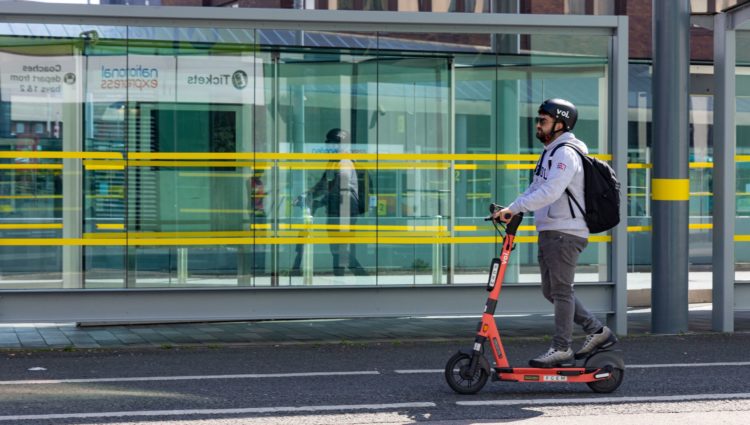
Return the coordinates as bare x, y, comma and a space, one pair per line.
563, 235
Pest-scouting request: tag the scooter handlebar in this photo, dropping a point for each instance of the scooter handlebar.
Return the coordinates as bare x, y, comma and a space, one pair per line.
515, 220
493, 209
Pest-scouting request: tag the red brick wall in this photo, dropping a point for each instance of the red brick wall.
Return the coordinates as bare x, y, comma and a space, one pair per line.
639, 28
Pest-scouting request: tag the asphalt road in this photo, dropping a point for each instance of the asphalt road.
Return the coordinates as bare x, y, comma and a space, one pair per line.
669, 379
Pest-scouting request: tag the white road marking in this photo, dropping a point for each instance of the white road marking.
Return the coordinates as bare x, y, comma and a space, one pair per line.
188, 377
605, 400
717, 364
627, 366
280, 409
311, 374
408, 371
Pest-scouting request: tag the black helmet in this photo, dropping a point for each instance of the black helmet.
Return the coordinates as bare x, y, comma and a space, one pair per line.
337, 135
561, 110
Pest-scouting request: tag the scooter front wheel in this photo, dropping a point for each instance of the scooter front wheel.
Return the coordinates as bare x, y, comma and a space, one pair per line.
458, 377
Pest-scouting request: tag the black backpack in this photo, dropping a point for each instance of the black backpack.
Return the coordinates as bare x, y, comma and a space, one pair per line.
601, 191
364, 186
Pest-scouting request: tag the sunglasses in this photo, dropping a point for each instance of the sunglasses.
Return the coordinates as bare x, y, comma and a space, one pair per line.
541, 120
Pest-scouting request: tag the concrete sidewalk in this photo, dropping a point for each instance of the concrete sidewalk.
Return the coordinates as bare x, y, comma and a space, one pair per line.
69, 336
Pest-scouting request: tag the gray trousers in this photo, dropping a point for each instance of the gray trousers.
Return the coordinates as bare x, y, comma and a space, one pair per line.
558, 255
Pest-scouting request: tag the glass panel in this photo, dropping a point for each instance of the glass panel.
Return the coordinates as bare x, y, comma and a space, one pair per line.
39, 112
413, 126
639, 173
545, 68
324, 148
742, 117
199, 157
700, 173
189, 98
478, 97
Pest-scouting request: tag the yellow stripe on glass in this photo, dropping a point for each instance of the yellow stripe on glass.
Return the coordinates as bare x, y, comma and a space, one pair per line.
94, 239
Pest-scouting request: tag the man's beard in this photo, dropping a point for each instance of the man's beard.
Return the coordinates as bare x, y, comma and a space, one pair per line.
543, 137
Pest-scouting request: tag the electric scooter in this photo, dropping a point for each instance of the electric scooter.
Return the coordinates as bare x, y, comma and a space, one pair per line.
466, 373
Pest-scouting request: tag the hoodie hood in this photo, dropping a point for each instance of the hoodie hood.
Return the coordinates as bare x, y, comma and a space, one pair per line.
568, 137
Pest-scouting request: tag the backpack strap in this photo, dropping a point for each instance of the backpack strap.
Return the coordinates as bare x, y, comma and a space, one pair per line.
570, 196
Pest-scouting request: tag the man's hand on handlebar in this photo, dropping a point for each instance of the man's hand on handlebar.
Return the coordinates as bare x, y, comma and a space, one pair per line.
503, 215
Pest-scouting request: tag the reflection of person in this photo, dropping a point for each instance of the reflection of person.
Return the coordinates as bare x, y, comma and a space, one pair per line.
256, 196
337, 191
563, 234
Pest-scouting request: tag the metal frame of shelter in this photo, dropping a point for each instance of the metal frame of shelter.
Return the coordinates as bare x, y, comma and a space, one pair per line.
728, 293
139, 305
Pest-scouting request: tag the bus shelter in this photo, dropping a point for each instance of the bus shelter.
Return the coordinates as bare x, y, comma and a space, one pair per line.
164, 164
731, 283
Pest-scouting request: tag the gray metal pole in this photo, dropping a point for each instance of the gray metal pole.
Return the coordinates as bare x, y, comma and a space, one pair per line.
670, 184
619, 148
724, 175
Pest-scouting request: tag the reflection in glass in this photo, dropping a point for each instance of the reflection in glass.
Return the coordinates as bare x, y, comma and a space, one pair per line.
240, 157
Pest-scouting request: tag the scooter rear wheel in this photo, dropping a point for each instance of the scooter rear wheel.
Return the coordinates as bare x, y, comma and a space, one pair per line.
607, 360
456, 373
610, 384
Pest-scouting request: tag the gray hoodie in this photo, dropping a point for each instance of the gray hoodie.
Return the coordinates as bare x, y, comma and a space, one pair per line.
546, 195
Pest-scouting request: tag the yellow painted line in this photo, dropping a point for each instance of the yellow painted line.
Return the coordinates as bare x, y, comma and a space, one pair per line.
275, 156
742, 158
60, 242
110, 226
368, 166
478, 196
149, 163
104, 167
264, 226
670, 189
465, 166
340, 227
108, 235
28, 226
130, 241
105, 196
639, 229
517, 157
31, 167
31, 197
218, 234
701, 194
435, 157
212, 211
347, 227
742, 238
91, 164
693, 226
191, 155
634, 165
213, 174
517, 166
465, 228
360, 234
60, 155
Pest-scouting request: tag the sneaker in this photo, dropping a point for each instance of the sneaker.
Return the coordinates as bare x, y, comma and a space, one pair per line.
553, 357
602, 339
